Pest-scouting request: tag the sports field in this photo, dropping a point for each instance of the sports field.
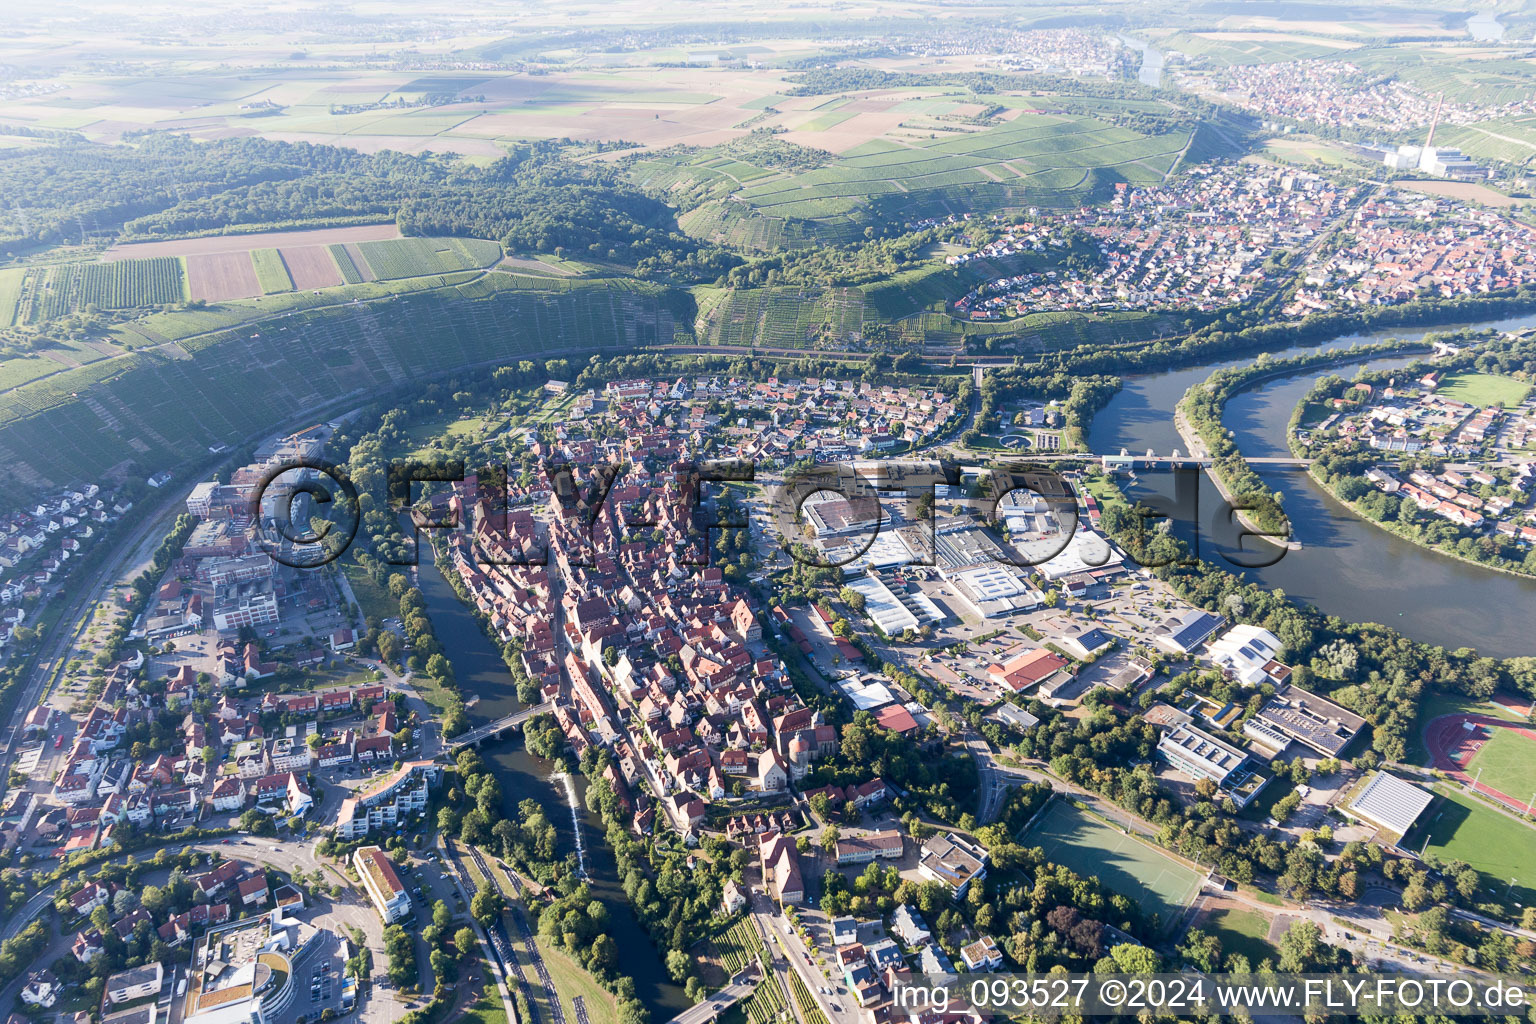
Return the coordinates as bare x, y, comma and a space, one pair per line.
1241, 931
1507, 763
1143, 873
1502, 848
1484, 389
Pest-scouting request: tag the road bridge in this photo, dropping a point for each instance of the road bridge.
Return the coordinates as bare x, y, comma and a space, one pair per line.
498, 729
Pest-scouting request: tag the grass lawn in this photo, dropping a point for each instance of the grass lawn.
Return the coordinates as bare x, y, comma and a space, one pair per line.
1484, 389
1464, 828
1508, 764
571, 979
373, 599
1161, 884
1242, 931
488, 1009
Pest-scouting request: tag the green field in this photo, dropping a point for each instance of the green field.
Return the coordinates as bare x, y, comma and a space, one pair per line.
1461, 827
1484, 389
1508, 764
10, 291
1242, 931
488, 1009
1081, 842
571, 979
271, 271
418, 257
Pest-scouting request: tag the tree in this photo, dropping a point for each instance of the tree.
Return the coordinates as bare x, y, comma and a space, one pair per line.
442, 917
486, 905
465, 942
829, 837
679, 964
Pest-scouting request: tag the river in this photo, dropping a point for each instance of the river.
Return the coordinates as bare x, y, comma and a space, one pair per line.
1151, 72
1484, 27
1344, 567
481, 673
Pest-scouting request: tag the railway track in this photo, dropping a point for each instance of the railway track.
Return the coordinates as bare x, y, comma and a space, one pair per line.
556, 1011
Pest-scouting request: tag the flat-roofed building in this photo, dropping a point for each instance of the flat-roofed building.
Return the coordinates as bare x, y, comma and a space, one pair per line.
955, 861
382, 884
1390, 803
1311, 720
1200, 755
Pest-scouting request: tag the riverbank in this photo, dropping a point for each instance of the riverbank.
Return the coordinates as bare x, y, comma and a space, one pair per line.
1218, 390
1462, 361
1198, 450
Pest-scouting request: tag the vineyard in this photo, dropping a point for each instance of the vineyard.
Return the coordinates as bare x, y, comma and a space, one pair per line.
736, 946
151, 282
43, 293
809, 1011
344, 263
782, 317
147, 407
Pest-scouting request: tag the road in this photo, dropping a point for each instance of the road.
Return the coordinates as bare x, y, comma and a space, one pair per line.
772, 923
709, 1009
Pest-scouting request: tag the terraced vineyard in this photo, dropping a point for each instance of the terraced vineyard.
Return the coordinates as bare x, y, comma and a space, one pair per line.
783, 317
736, 946
152, 409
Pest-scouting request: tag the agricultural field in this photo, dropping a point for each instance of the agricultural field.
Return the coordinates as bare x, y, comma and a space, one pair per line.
271, 271
1073, 838
311, 266
1461, 827
141, 282
247, 242
418, 257
1256, 47
215, 277
1484, 389
342, 256
11, 280
1044, 159
1507, 762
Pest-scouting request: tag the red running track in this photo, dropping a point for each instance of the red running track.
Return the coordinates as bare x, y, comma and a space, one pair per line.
1451, 748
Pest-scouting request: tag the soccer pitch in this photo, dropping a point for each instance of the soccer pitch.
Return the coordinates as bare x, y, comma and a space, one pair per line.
1508, 763
1092, 849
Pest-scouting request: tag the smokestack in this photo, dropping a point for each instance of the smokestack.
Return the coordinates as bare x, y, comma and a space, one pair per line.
1435, 123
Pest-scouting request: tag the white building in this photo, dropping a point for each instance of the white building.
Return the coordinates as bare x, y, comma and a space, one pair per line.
1249, 654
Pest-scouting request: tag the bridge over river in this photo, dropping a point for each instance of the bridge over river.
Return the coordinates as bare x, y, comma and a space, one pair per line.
499, 728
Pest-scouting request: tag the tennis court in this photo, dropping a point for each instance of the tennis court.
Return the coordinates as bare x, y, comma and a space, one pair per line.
1092, 849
